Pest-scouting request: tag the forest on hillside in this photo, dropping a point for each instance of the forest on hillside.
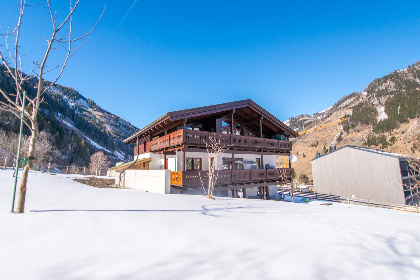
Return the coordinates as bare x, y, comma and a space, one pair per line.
74, 126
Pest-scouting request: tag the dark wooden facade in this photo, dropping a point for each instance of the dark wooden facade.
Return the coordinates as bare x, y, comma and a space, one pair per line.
233, 179
242, 126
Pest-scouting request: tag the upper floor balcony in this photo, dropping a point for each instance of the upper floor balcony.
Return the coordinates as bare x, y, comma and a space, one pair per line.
200, 138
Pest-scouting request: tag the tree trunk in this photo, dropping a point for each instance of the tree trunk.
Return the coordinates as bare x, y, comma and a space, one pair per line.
22, 189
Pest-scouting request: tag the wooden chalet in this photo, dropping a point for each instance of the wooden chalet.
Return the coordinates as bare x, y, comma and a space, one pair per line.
253, 136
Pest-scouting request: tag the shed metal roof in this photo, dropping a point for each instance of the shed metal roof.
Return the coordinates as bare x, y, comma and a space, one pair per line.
395, 155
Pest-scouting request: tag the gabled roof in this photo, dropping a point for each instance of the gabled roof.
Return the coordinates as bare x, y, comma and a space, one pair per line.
395, 155
247, 106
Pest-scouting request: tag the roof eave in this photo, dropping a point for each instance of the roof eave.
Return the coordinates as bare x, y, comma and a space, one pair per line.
146, 128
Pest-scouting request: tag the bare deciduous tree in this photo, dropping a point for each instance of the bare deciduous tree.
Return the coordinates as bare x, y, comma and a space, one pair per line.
60, 38
412, 184
43, 150
9, 144
74, 169
98, 163
8, 147
214, 149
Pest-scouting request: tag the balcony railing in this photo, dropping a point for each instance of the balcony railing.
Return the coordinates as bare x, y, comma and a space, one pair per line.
228, 177
199, 138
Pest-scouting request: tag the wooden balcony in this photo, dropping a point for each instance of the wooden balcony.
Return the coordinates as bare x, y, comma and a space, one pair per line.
229, 177
199, 138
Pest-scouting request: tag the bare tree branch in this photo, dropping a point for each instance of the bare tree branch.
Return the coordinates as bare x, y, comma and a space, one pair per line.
8, 108
12, 61
214, 149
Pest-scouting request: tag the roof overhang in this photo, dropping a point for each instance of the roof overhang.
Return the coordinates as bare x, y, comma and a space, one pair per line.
127, 164
182, 115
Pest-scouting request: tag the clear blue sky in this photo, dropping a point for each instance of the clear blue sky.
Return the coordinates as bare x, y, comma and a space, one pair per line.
291, 57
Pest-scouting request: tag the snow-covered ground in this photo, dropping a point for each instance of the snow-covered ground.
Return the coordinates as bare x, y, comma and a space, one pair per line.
74, 231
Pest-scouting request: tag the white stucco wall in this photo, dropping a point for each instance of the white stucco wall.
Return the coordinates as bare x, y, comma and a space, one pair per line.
155, 181
272, 190
251, 192
157, 163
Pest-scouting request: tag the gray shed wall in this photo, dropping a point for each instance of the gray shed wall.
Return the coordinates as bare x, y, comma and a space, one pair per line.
351, 172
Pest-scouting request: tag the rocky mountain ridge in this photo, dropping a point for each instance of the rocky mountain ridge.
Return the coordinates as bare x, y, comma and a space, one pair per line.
77, 126
384, 116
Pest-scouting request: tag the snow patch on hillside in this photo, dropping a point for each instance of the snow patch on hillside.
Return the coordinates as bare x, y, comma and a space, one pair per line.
325, 110
117, 154
381, 113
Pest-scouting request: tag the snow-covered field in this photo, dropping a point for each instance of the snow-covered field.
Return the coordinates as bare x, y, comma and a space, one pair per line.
74, 231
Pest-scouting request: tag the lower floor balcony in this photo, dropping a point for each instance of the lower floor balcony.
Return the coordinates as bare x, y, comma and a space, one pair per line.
197, 179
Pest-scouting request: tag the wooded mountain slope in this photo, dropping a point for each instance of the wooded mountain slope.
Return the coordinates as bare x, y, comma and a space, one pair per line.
385, 116
77, 126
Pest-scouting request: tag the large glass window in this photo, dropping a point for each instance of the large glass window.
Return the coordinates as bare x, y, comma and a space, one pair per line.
193, 128
193, 164
239, 163
226, 128
237, 129
227, 163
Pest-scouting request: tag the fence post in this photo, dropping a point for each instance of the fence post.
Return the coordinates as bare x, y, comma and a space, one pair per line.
348, 200
417, 208
67, 170
368, 203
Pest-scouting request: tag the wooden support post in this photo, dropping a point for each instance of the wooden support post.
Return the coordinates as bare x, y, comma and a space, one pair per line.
183, 163
164, 161
262, 161
233, 160
137, 146
348, 200
244, 192
261, 130
232, 122
233, 166
417, 208
267, 194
